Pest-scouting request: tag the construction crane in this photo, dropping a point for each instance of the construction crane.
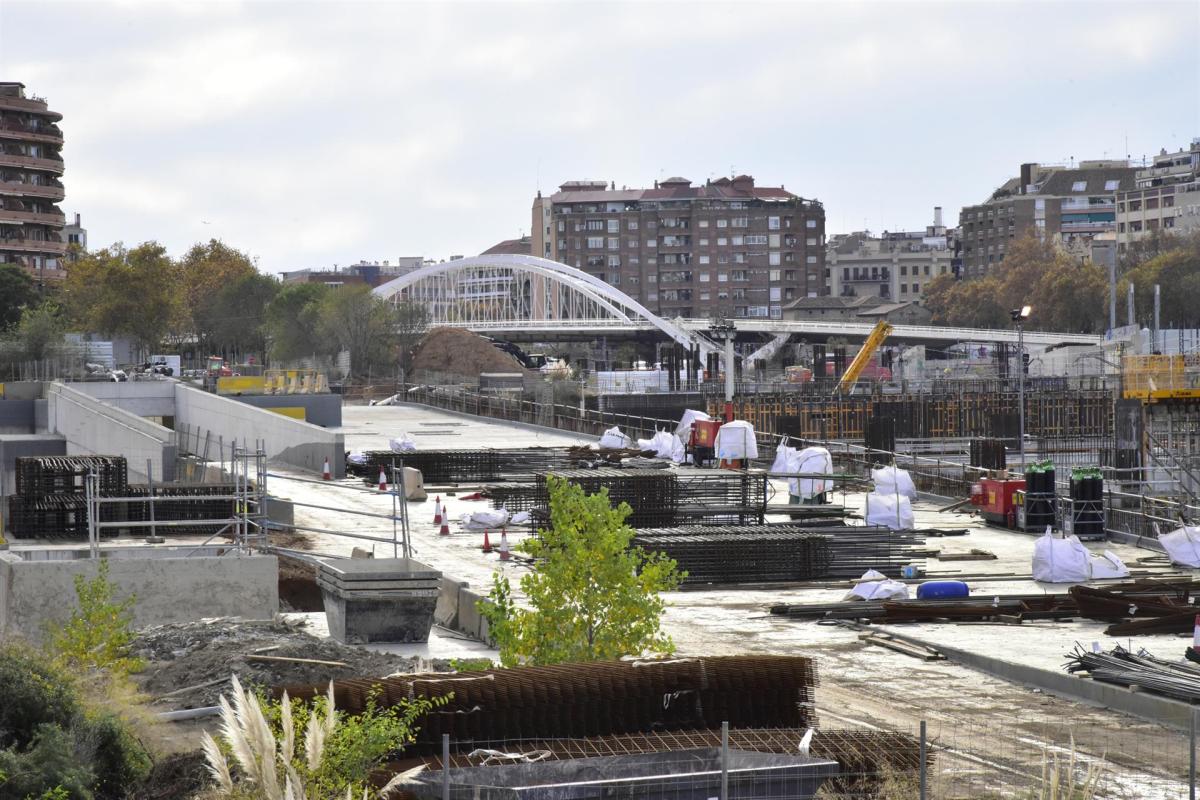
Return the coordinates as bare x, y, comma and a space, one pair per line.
873, 342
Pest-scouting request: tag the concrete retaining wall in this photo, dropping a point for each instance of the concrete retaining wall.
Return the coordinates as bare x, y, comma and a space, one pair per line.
319, 409
23, 390
143, 398
286, 440
16, 416
34, 594
92, 427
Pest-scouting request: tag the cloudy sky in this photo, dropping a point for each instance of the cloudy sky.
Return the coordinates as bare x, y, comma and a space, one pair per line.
321, 133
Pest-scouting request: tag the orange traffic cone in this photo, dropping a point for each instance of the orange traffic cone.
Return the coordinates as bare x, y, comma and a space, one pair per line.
1196, 635
437, 510
326, 474
382, 480
487, 543
445, 529
504, 554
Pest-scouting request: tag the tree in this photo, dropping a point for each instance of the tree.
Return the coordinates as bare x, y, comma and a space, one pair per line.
206, 271
363, 323
292, 319
1177, 272
120, 292
591, 596
238, 317
16, 292
412, 321
40, 332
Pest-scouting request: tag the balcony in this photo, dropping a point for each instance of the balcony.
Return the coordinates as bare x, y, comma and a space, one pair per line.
54, 165
32, 246
15, 130
19, 189
57, 220
35, 106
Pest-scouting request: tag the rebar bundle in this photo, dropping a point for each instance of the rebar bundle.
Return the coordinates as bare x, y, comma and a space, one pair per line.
54, 516
211, 501
596, 699
469, 466
1172, 679
39, 476
771, 553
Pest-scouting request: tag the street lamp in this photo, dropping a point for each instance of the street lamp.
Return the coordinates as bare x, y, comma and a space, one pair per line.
722, 329
1019, 315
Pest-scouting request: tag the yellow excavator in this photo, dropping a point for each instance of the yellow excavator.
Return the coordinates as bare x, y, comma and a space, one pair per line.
865, 354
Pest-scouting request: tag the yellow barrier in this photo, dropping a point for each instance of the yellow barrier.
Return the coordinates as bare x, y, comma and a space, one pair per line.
244, 384
295, 412
1160, 377
1, 390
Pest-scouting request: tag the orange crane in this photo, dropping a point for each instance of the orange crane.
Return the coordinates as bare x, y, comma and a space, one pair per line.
874, 340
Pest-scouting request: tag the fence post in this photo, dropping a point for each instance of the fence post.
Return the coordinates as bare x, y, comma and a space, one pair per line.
446, 767
724, 761
924, 760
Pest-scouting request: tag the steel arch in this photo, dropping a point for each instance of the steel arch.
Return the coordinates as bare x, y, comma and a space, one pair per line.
483, 290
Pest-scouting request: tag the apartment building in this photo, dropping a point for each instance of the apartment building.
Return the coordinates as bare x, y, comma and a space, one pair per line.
31, 168
1068, 204
726, 248
895, 266
1165, 198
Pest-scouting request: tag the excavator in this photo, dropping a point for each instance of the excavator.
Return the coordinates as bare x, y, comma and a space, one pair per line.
863, 358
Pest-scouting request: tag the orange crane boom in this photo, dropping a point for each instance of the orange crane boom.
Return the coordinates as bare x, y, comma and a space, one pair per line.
873, 342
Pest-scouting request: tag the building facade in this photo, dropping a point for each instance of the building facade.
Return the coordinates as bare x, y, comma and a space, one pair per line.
1068, 204
727, 248
31, 168
1165, 198
896, 266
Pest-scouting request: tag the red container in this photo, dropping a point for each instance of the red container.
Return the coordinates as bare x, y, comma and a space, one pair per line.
998, 503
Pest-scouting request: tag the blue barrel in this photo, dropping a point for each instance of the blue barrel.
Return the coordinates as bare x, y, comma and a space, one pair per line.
942, 590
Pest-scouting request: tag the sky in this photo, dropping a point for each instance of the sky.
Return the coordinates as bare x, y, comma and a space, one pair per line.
322, 133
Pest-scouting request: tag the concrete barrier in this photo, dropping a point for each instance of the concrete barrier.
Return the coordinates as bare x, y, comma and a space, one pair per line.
35, 594
319, 409
92, 427
144, 398
286, 440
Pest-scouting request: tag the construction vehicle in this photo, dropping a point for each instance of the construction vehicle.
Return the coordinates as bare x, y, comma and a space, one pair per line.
867, 352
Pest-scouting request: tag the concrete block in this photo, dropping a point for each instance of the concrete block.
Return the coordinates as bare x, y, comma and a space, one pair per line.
470, 621
35, 594
446, 611
379, 599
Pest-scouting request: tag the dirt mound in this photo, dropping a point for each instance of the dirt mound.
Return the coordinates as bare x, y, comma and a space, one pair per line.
298, 590
190, 663
459, 352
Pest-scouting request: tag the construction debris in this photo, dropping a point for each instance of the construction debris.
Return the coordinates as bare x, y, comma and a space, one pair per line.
1143, 672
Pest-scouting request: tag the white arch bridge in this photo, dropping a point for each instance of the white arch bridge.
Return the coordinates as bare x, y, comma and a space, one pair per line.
523, 296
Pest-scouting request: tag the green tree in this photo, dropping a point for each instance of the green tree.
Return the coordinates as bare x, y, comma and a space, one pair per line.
206, 271
241, 327
1177, 272
412, 321
293, 317
99, 633
591, 596
16, 292
357, 320
40, 331
121, 292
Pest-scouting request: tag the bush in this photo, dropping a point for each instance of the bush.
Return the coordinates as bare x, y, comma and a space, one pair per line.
33, 691
52, 764
119, 760
99, 634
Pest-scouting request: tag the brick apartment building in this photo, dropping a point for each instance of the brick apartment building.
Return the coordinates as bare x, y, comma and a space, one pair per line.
31, 165
727, 248
1070, 205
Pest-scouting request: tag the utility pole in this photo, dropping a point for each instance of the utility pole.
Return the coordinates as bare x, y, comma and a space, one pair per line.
1019, 315
722, 329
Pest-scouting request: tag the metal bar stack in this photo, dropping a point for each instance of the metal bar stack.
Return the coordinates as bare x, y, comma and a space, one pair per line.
774, 553
1124, 668
652, 494
49, 502
211, 501
597, 698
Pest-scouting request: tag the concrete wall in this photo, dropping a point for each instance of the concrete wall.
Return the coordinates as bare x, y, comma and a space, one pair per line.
92, 427
34, 594
143, 398
16, 416
22, 390
286, 440
319, 409
14, 446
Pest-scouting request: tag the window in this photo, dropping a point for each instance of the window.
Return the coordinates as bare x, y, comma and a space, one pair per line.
927, 266
614, 226
703, 223
614, 261
595, 261
722, 258
1079, 186
904, 288
1135, 205
811, 241
845, 273
722, 223
741, 222
773, 223
562, 226
633, 243
739, 258
741, 275
1168, 222
703, 275
595, 224
595, 242
614, 243
773, 240
651, 279
811, 223
776, 294
633, 261
704, 295
738, 241
632, 225
651, 260
1169, 201
703, 259
704, 242
773, 259
904, 269
722, 241
916, 288
757, 238
773, 275
722, 277
651, 243
1111, 186
739, 294
810, 260
1151, 203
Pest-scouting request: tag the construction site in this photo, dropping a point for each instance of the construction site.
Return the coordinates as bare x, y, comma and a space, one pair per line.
947, 587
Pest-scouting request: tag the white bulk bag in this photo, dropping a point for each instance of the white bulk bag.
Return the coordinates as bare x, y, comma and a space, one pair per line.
786, 459
892, 480
1183, 546
735, 440
663, 444
487, 519
613, 439
684, 429
1061, 560
403, 444
894, 511
357, 458
645, 444
816, 461
1107, 566
876, 586
678, 451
